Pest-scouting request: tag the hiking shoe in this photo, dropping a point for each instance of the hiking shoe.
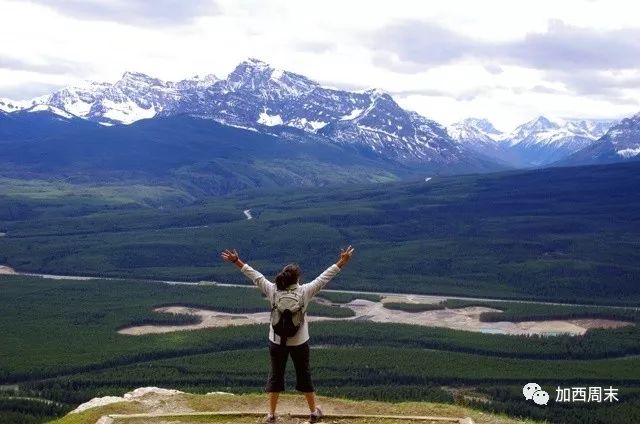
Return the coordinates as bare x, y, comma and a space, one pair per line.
270, 419
316, 416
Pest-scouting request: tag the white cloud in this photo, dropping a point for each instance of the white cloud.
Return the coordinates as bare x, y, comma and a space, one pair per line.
326, 41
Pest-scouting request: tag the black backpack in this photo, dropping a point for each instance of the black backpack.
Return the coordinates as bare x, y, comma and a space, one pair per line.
287, 313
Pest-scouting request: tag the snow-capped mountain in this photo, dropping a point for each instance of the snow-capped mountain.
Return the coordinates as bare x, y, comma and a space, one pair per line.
558, 132
258, 96
135, 96
625, 137
479, 135
620, 143
592, 127
258, 78
253, 94
540, 141
388, 129
543, 141
471, 128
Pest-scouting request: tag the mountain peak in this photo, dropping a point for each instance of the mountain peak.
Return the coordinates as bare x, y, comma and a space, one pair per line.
248, 73
208, 78
252, 66
139, 77
481, 124
375, 93
195, 83
256, 62
541, 123
134, 74
262, 79
537, 125
479, 134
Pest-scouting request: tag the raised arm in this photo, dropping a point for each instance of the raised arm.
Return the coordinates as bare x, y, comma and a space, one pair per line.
265, 286
312, 288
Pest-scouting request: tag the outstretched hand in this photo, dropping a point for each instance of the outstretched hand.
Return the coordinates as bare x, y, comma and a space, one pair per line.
345, 256
232, 256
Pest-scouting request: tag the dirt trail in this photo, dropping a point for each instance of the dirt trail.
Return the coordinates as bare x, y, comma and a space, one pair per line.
467, 319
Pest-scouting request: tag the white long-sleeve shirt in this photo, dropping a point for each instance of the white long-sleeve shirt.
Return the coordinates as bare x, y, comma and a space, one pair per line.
308, 291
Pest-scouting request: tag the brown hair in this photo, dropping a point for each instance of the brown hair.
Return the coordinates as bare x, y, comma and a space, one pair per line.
289, 275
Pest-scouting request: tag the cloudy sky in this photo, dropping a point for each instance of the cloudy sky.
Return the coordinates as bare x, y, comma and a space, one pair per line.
505, 60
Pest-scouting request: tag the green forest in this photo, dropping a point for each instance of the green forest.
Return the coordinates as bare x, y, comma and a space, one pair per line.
60, 343
554, 235
563, 235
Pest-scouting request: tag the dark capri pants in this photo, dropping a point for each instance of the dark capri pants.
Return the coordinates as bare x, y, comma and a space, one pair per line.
278, 356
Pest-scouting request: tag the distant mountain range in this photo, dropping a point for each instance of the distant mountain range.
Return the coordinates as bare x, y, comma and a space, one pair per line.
620, 143
539, 142
259, 98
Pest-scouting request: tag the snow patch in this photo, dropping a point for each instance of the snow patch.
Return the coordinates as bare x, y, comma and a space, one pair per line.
353, 115
78, 107
316, 125
307, 125
241, 127
49, 108
127, 112
229, 124
276, 74
269, 120
377, 130
615, 133
629, 153
127, 397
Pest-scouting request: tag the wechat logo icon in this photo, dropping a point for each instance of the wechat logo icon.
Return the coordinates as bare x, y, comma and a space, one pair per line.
534, 392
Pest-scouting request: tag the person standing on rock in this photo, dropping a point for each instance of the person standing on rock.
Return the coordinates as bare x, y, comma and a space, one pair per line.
289, 330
